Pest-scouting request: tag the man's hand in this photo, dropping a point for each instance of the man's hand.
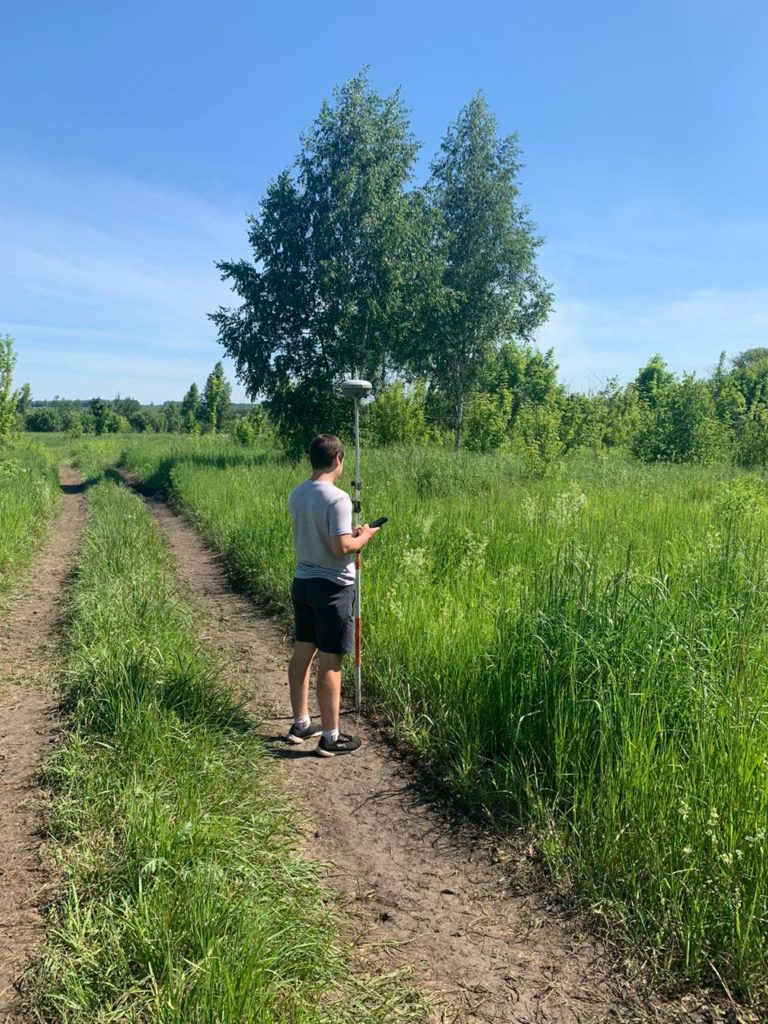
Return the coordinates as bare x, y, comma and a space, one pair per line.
365, 531
351, 543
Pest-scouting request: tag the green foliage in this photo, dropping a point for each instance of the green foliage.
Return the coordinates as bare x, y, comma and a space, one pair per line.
43, 421
749, 357
106, 420
537, 437
100, 412
625, 414
127, 407
486, 420
297, 407
60, 415
653, 381
23, 399
71, 418
745, 498
730, 402
583, 421
117, 424
215, 404
173, 421
77, 418
397, 416
683, 426
190, 409
243, 431
751, 446
252, 428
7, 397
353, 275
528, 374
331, 286
142, 422
752, 383
485, 245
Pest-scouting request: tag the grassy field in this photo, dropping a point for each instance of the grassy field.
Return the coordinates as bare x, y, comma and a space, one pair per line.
28, 500
586, 654
186, 901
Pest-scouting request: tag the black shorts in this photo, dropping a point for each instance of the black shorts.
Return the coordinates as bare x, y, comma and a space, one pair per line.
324, 614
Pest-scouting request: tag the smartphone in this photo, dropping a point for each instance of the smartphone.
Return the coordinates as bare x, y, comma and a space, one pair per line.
380, 521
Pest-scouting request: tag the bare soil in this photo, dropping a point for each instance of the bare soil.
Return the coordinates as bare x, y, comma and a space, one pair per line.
421, 893
29, 651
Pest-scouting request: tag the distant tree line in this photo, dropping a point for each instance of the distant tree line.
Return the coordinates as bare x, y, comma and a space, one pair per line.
209, 411
516, 403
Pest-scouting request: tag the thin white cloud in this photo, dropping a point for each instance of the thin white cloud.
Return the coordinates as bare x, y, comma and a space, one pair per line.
596, 340
57, 336
89, 365
99, 274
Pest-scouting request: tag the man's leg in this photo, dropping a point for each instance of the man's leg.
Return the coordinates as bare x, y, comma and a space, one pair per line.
298, 678
335, 633
329, 689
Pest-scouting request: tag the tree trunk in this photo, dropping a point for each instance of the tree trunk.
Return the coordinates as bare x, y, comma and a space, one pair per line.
458, 414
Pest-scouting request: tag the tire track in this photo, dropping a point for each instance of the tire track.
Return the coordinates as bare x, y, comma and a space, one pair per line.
30, 649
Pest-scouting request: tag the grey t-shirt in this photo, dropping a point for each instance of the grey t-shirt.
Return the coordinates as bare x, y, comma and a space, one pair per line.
321, 511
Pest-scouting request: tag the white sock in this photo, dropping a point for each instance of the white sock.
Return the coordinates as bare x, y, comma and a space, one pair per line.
302, 722
331, 735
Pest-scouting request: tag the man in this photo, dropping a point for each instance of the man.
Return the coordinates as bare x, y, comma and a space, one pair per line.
323, 594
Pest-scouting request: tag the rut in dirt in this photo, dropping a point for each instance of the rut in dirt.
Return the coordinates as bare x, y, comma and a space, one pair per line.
30, 653
420, 893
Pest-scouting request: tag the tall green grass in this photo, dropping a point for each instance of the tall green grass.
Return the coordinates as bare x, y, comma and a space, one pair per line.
29, 497
186, 901
587, 654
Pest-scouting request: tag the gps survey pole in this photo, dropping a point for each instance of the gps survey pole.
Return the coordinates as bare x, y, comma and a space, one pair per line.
357, 389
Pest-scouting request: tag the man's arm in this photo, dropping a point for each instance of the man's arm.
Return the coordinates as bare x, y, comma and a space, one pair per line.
351, 543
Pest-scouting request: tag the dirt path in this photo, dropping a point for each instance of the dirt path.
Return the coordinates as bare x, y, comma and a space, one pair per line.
29, 648
420, 894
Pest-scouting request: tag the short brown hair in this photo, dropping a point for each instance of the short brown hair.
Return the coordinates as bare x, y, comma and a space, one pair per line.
323, 449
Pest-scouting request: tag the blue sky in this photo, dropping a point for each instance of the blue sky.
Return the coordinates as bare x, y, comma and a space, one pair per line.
136, 138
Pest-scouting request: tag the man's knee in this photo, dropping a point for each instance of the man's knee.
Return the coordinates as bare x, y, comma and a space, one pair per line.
303, 652
327, 662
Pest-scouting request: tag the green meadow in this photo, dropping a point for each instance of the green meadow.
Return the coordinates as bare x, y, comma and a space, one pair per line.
584, 655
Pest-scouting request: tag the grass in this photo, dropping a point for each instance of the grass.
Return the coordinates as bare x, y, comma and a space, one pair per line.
185, 899
587, 654
29, 498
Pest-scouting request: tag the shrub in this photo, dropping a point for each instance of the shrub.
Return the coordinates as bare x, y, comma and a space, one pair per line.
397, 416
486, 421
